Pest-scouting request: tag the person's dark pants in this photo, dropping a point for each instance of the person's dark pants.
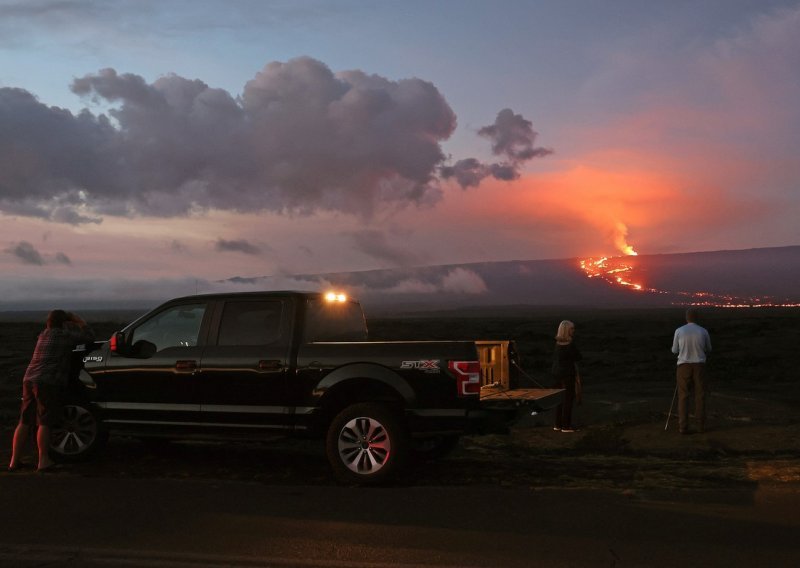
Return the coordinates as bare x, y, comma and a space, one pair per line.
563, 412
692, 376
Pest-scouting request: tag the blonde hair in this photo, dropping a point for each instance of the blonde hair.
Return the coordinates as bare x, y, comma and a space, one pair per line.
566, 329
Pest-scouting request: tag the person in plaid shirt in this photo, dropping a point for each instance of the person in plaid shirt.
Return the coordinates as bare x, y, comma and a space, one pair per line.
45, 381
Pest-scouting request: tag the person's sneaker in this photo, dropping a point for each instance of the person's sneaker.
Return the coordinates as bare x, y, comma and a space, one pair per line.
569, 429
556, 428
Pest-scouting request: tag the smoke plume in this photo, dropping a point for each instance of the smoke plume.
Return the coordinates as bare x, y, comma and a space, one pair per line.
620, 237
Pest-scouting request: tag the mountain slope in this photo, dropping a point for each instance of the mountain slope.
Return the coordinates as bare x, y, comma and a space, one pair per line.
754, 275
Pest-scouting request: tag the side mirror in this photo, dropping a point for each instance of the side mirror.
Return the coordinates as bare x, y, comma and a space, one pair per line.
117, 342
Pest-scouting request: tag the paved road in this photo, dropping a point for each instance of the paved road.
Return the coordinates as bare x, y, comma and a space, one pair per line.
66, 519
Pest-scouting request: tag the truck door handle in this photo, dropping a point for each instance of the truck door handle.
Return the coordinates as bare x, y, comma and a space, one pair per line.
269, 365
189, 366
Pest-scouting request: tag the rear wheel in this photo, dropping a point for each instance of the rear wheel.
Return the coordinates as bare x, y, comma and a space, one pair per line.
78, 435
367, 444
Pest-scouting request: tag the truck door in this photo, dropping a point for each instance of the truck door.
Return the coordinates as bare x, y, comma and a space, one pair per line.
246, 363
154, 383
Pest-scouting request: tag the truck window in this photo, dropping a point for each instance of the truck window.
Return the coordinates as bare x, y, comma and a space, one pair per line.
334, 321
251, 322
178, 326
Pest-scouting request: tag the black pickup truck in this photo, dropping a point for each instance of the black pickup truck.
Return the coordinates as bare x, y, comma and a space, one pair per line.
248, 365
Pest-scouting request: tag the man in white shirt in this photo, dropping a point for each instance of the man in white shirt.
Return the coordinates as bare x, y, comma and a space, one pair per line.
691, 344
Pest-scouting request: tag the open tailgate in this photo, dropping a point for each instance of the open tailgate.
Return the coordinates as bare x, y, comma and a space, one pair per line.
534, 399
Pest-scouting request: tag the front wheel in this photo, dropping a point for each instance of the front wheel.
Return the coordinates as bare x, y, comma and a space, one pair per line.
366, 444
78, 435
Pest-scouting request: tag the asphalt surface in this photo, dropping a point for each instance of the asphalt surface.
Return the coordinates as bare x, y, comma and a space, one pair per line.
64, 519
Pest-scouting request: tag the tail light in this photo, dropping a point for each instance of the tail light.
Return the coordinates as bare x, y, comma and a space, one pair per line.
468, 377
116, 341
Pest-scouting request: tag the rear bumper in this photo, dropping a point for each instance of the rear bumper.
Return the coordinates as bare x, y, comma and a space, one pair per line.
433, 421
480, 421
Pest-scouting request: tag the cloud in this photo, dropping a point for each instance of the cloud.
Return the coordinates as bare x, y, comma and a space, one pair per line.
72, 217
299, 139
468, 172
54, 16
376, 245
411, 286
237, 245
463, 281
62, 258
138, 25
381, 283
178, 246
33, 10
49, 157
26, 253
513, 139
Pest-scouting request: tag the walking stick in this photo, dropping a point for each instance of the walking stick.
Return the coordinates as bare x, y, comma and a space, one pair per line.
671, 406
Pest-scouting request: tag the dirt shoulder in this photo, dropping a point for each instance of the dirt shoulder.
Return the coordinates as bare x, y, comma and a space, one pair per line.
751, 438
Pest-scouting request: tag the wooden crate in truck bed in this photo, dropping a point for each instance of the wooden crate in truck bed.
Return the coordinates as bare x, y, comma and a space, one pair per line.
495, 365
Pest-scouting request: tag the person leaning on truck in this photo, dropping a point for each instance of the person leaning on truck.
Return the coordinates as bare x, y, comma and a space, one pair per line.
691, 344
45, 381
565, 374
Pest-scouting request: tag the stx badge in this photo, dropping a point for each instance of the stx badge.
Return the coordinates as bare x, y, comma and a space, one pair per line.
427, 366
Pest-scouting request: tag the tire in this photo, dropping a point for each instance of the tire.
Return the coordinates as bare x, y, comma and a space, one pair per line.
79, 434
435, 447
367, 444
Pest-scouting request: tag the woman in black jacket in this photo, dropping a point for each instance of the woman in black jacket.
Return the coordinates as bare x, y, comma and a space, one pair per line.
565, 374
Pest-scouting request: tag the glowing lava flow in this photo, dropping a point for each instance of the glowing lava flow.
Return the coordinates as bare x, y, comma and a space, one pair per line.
599, 268
617, 272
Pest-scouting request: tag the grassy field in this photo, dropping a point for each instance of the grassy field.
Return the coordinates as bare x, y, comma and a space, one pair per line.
628, 372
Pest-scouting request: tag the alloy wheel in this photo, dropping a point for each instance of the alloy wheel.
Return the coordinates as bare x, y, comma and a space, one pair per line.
364, 445
76, 433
